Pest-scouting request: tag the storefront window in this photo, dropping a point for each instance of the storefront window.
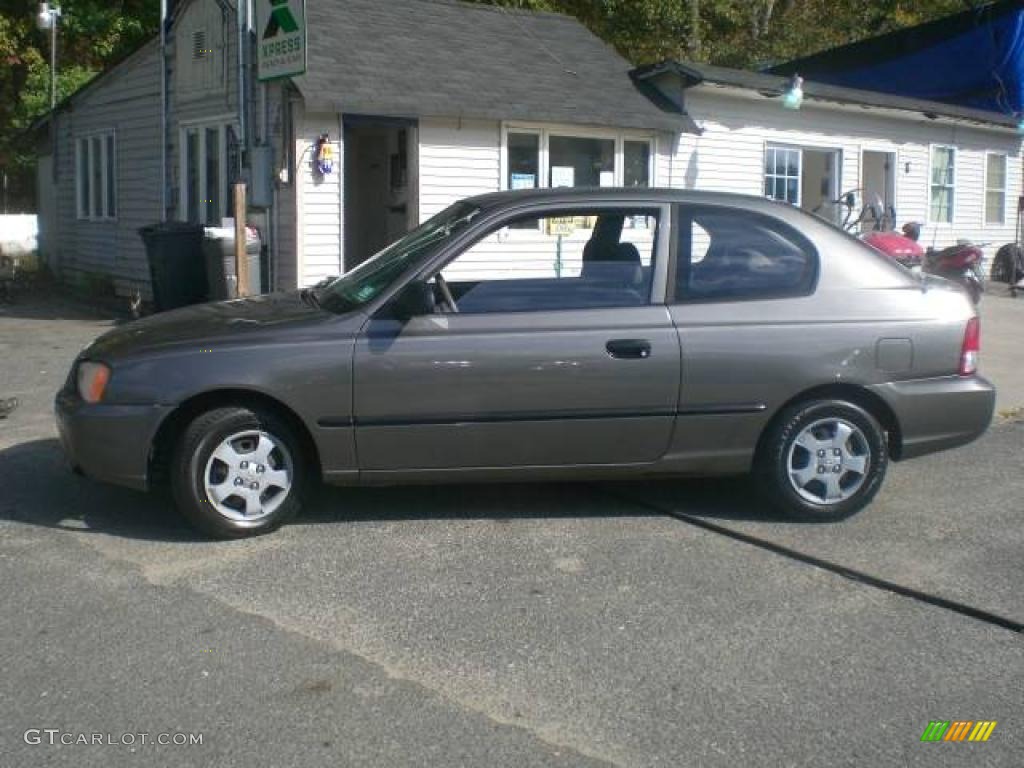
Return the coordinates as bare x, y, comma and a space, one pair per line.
523, 160
537, 157
578, 162
636, 161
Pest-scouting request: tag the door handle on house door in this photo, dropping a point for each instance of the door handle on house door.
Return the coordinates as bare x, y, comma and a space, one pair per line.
629, 349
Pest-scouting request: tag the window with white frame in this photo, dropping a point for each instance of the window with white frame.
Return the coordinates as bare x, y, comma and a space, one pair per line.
96, 176
995, 188
204, 182
782, 173
541, 157
943, 185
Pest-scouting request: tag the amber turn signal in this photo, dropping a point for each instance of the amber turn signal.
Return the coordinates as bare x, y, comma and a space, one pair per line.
92, 380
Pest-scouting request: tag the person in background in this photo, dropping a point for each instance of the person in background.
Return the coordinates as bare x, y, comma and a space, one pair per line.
7, 406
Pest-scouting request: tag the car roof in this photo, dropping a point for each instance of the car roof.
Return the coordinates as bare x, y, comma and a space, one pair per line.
631, 195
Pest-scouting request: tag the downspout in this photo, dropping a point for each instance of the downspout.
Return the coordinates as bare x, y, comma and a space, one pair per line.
241, 6
163, 110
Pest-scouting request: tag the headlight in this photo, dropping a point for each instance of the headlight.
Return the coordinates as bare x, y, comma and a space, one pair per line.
92, 380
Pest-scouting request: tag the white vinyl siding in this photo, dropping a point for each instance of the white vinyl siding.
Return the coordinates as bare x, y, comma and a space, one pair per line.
729, 156
458, 158
995, 188
319, 200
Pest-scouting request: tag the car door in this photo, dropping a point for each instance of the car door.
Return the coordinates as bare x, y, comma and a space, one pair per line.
562, 353
752, 332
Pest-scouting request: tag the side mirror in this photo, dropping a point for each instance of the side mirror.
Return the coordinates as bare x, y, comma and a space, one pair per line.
414, 300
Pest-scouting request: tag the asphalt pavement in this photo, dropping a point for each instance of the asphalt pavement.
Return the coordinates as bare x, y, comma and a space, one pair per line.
676, 623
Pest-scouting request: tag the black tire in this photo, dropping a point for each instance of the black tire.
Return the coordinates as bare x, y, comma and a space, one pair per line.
192, 454
772, 463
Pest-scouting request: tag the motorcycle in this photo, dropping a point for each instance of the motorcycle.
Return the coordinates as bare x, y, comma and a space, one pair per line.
960, 263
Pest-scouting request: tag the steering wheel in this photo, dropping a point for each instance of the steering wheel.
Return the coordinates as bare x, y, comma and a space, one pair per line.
446, 293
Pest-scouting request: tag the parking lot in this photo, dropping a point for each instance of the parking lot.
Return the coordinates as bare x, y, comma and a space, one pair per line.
675, 623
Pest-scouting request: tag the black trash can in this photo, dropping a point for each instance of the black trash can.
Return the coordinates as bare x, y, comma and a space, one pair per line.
175, 253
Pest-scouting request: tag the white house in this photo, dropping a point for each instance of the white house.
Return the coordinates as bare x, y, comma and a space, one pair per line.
955, 170
424, 102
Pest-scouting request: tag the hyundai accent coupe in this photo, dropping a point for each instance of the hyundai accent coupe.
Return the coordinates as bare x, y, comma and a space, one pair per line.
545, 334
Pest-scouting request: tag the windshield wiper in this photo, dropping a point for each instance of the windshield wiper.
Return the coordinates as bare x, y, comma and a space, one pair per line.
308, 296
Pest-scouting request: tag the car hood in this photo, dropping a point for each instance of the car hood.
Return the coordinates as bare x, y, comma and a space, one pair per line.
222, 321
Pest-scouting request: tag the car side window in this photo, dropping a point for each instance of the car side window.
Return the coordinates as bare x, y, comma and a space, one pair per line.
729, 254
571, 259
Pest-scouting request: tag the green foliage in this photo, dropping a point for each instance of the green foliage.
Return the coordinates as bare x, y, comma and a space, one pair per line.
739, 33
92, 34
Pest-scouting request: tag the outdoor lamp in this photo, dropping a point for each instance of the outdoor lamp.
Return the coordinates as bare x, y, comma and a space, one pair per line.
794, 95
45, 17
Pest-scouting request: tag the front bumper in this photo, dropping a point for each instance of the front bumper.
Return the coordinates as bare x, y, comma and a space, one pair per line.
108, 442
936, 414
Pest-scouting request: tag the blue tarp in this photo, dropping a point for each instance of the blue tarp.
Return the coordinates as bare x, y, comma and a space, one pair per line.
973, 59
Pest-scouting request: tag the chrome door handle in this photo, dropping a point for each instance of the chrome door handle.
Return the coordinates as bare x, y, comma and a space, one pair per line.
629, 349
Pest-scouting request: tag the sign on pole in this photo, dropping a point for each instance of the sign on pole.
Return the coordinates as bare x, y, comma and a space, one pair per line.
281, 38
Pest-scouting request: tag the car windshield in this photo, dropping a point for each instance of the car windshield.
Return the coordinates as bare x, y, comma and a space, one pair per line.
364, 283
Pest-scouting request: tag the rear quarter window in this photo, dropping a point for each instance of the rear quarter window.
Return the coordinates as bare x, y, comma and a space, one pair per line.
728, 254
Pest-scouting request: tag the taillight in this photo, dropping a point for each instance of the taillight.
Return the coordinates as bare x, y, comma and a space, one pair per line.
971, 347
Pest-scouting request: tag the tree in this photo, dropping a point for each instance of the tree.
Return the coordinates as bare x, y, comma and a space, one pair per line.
739, 33
92, 35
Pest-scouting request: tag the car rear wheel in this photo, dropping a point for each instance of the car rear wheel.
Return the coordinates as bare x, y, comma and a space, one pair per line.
238, 472
822, 460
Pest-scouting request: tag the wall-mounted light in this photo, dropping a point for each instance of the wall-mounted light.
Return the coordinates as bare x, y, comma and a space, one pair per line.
793, 98
323, 156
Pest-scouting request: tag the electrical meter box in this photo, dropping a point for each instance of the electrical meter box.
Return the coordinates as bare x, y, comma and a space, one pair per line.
261, 181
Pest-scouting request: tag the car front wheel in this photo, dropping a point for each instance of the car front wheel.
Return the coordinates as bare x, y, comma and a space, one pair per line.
238, 472
822, 460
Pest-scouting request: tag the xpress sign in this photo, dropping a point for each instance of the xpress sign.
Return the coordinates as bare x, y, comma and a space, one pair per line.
281, 38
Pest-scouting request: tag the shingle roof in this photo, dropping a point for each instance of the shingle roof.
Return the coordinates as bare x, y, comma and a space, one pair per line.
435, 58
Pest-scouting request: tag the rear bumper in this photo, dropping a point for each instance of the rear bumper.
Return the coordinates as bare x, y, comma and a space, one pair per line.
110, 443
936, 414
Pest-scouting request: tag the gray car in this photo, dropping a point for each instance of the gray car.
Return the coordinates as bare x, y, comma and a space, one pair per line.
545, 334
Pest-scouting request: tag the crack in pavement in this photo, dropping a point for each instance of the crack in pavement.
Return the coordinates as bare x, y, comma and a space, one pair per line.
853, 574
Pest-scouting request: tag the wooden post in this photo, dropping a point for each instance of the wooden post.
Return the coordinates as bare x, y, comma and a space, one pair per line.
241, 260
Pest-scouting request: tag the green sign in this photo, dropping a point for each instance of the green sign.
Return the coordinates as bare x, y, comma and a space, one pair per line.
280, 38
